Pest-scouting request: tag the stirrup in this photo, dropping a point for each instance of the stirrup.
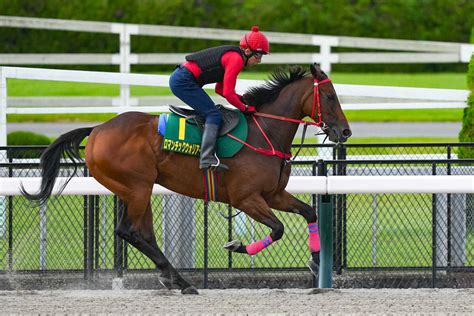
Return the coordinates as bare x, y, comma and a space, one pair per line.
216, 166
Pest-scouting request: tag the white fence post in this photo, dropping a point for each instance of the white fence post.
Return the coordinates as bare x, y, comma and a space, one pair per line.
325, 51
458, 229
465, 52
441, 249
125, 31
179, 230
124, 64
325, 58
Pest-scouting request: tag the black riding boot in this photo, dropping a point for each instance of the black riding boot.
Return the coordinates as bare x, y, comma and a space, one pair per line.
208, 157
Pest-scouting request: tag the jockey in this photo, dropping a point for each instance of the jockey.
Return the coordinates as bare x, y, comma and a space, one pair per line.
220, 65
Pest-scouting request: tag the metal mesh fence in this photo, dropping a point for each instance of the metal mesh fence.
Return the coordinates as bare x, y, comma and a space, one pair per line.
382, 240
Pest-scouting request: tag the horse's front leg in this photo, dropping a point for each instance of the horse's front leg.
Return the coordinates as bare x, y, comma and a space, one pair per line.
256, 207
288, 203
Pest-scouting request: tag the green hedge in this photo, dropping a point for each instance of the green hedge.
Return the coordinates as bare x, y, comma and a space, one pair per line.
467, 135
21, 138
448, 20
467, 132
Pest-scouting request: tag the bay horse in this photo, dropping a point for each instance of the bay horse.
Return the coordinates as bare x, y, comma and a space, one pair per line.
125, 155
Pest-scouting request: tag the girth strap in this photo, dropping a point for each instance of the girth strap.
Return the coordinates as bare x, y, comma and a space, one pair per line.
210, 184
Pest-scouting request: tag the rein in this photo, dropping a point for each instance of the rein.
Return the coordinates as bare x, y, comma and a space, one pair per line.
268, 152
319, 122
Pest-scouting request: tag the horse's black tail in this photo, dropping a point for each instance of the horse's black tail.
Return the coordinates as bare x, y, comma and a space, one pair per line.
66, 145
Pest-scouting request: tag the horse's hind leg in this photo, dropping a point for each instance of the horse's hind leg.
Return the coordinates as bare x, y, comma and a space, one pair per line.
258, 209
136, 227
288, 203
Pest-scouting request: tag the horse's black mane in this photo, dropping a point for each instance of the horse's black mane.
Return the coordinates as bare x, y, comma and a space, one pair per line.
269, 91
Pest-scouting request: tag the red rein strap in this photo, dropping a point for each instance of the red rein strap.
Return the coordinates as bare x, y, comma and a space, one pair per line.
271, 152
318, 122
316, 104
282, 118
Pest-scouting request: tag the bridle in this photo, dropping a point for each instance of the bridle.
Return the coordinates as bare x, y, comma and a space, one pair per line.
316, 105
317, 102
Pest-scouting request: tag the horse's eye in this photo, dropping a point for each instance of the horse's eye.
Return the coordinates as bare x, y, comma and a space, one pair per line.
332, 97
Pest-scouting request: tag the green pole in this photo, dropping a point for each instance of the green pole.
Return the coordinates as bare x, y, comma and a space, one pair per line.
325, 215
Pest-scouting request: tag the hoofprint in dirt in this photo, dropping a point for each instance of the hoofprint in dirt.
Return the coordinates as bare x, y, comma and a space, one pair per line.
241, 301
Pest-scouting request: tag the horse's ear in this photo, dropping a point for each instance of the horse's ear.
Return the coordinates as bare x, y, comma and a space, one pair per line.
316, 70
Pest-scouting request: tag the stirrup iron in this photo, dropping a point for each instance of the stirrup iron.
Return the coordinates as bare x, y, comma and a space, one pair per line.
218, 165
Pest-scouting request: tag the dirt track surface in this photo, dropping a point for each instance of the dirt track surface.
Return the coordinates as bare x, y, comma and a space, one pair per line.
241, 301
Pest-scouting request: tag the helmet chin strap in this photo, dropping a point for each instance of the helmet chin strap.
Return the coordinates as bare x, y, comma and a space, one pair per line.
246, 60
247, 57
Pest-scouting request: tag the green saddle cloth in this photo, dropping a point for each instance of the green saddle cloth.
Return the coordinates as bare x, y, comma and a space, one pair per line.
184, 137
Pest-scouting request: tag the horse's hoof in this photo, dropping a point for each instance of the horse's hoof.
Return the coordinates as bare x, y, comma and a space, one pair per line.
189, 290
165, 282
314, 268
233, 245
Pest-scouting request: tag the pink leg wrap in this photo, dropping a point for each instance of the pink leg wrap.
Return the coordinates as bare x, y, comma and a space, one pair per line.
314, 243
258, 246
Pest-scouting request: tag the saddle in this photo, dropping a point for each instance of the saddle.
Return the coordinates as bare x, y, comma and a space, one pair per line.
182, 132
230, 118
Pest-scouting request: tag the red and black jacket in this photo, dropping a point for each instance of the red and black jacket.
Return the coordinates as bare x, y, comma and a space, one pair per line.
209, 60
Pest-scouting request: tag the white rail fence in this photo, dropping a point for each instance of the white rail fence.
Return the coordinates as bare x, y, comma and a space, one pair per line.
402, 51
297, 184
382, 97
406, 51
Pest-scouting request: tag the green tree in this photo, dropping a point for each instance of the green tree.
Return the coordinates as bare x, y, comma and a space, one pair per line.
467, 132
467, 135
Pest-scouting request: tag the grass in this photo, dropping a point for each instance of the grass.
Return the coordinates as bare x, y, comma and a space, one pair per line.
29, 88
381, 140
44, 88
407, 243
415, 80
409, 115
23, 87
404, 244
96, 117
427, 115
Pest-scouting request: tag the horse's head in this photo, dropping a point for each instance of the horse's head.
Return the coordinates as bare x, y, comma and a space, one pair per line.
323, 106
281, 99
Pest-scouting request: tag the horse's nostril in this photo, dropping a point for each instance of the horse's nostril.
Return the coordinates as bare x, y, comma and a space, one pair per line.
346, 133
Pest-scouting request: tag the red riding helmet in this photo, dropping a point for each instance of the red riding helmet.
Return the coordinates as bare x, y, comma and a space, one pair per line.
255, 41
